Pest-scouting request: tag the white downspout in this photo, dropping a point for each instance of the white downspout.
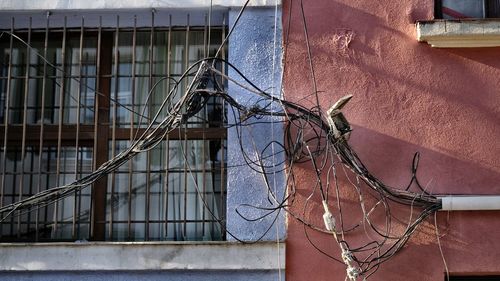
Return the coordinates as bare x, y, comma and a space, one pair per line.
470, 202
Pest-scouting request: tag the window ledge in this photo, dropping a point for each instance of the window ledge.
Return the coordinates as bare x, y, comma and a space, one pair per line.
92, 256
460, 33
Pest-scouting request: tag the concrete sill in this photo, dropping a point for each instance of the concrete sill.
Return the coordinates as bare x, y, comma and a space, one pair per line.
103, 256
472, 33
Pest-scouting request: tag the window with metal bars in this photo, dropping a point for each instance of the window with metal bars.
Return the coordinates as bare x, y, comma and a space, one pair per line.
463, 9
74, 97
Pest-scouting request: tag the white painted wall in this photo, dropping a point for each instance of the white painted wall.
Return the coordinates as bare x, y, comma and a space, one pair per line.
124, 4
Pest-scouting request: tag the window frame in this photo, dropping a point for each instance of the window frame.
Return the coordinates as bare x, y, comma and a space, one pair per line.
103, 130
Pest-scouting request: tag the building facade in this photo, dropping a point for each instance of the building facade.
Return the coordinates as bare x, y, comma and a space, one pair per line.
422, 78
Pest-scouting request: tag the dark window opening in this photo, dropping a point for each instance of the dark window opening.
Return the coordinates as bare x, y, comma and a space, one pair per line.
467, 9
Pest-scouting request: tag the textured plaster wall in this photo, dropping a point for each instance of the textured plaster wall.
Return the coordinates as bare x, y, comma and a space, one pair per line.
408, 97
254, 51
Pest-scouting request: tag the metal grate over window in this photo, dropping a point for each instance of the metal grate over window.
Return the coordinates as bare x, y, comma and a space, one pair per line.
75, 98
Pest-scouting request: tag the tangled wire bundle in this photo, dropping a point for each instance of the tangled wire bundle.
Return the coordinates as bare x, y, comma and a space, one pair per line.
310, 137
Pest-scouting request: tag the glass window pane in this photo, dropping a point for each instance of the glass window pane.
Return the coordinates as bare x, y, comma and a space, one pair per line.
180, 208
54, 221
453, 9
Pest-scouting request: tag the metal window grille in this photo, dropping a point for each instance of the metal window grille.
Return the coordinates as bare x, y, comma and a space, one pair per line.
72, 100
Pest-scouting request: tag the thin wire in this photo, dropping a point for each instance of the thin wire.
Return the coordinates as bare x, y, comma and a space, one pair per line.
309, 55
273, 87
232, 28
440, 248
308, 139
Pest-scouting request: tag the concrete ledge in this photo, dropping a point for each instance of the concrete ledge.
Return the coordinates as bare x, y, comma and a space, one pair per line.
459, 33
103, 256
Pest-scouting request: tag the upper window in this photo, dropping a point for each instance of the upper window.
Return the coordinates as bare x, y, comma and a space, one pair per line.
72, 98
473, 278
462, 9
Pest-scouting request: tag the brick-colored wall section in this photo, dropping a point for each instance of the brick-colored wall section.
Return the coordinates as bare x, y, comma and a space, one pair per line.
408, 97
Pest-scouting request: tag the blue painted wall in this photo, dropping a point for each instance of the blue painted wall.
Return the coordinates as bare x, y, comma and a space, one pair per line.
254, 51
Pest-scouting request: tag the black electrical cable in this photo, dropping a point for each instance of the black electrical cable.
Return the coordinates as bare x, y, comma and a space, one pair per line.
307, 140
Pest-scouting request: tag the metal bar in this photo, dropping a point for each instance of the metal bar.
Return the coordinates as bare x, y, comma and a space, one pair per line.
77, 134
95, 164
82, 139
148, 155
203, 161
50, 132
185, 150
25, 116
222, 216
222, 210
205, 45
7, 113
47, 184
42, 118
184, 225
84, 81
60, 123
78, 201
167, 144
165, 195
30, 191
130, 165
113, 128
204, 187
209, 30
13, 192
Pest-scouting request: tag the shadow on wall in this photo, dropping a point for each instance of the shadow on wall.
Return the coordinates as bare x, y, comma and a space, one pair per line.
390, 159
443, 99
465, 247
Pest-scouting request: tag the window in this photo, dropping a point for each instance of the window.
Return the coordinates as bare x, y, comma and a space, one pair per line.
461, 9
55, 127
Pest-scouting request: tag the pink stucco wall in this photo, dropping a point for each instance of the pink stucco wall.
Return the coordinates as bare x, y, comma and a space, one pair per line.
408, 97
